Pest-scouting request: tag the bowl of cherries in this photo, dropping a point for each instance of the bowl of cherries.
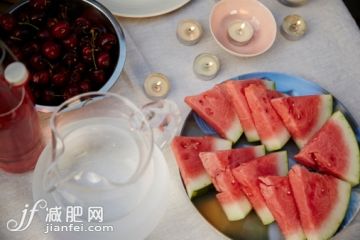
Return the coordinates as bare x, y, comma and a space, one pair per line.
69, 47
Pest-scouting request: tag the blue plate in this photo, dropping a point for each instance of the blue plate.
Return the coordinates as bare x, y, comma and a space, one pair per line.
294, 86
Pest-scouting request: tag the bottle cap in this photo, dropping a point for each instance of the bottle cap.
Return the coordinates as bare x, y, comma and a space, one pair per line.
16, 74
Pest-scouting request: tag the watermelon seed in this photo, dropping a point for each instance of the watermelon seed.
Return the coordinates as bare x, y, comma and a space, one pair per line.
288, 192
322, 190
313, 157
209, 111
298, 116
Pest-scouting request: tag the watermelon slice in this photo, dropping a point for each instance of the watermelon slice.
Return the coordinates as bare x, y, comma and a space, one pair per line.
217, 111
322, 201
273, 133
281, 203
333, 150
235, 89
247, 175
217, 161
218, 165
303, 116
186, 151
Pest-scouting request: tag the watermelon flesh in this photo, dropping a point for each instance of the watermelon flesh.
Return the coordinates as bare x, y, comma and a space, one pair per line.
333, 150
186, 151
303, 116
216, 109
322, 201
279, 198
247, 175
218, 165
272, 132
235, 89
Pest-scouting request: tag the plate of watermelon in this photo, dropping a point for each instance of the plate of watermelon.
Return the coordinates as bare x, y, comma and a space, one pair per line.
270, 156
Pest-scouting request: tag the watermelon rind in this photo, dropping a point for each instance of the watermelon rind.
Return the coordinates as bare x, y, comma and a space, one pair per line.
222, 144
235, 131
277, 142
296, 236
236, 210
269, 84
353, 174
198, 186
336, 216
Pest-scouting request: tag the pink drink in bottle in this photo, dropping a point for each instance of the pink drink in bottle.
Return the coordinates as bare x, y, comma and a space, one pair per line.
20, 132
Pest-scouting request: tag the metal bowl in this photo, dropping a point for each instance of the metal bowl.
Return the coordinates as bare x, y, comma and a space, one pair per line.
97, 13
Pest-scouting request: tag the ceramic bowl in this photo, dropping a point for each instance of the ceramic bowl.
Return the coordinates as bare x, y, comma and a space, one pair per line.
262, 20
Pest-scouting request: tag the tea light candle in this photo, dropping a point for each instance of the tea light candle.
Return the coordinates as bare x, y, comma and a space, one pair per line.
293, 27
189, 32
293, 3
157, 85
206, 66
240, 32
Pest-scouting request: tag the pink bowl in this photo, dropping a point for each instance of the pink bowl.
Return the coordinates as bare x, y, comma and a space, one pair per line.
259, 16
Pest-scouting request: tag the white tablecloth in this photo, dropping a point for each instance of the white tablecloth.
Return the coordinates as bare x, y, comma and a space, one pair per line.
328, 55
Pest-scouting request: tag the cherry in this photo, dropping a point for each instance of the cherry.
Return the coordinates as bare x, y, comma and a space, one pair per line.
80, 67
18, 53
75, 77
51, 22
85, 41
51, 50
60, 30
98, 76
70, 42
82, 25
103, 60
59, 79
37, 18
107, 41
39, 4
41, 78
21, 34
48, 97
43, 34
71, 91
70, 59
7, 22
87, 54
38, 62
85, 86
31, 48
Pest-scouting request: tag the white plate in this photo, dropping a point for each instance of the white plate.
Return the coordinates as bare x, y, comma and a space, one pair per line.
142, 8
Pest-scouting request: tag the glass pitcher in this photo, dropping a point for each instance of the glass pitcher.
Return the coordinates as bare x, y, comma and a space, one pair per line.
100, 151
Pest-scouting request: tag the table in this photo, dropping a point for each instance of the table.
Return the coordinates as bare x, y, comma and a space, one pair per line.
328, 55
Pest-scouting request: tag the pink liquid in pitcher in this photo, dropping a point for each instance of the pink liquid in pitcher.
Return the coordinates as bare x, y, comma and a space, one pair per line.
20, 132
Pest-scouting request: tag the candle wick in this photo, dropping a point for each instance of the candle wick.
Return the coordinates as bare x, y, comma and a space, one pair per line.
294, 27
157, 86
